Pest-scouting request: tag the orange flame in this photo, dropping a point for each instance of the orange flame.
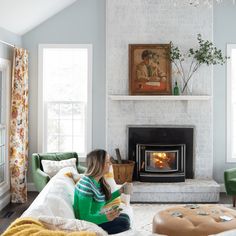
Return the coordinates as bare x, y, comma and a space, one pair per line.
160, 160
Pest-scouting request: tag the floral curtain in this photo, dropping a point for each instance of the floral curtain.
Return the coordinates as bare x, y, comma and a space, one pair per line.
19, 126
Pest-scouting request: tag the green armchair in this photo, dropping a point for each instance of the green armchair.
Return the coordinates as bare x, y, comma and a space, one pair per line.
40, 178
230, 183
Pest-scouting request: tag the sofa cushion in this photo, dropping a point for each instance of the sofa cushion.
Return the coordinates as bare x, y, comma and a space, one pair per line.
59, 223
56, 198
52, 167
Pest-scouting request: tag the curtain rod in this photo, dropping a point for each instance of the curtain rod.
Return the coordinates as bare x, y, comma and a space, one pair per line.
11, 45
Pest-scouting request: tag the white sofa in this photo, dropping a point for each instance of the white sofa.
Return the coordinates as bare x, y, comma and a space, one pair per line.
56, 200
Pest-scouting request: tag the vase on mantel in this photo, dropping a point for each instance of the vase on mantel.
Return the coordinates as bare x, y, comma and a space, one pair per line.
205, 53
183, 88
187, 88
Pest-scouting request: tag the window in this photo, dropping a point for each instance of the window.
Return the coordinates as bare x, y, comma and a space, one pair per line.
2, 153
4, 126
2, 133
65, 98
231, 103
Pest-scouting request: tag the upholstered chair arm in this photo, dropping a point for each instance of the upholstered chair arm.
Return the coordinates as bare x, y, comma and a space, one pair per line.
40, 179
81, 169
228, 175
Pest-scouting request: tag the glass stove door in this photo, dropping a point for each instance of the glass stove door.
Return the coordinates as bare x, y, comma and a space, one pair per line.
161, 161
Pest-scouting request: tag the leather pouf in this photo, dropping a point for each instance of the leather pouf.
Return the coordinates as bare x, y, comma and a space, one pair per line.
194, 220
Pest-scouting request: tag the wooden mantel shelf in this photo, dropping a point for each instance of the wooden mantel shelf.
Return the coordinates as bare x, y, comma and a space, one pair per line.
154, 97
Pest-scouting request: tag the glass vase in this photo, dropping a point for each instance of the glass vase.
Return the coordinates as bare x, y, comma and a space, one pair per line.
187, 88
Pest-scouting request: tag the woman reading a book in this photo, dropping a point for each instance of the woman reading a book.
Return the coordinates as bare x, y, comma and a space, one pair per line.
92, 193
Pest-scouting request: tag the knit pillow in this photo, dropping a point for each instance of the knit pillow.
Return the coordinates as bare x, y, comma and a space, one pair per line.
52, 167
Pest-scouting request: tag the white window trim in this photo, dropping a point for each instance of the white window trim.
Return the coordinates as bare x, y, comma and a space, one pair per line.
229, 157
88, 138
5, 66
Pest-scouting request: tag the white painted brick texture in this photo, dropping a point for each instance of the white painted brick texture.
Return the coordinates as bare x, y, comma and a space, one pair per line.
157, 21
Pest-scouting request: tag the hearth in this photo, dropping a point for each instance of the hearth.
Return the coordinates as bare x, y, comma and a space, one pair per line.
161, 154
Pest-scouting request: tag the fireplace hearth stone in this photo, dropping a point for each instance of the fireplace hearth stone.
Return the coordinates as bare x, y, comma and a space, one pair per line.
192, 190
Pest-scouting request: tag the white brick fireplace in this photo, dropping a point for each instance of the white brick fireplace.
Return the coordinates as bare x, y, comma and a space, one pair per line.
158, 21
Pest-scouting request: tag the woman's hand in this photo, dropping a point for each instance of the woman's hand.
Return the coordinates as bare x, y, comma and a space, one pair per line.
112, 214
126, 188
122, 188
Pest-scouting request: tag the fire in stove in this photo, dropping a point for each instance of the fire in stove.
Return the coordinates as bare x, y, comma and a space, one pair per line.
162, 160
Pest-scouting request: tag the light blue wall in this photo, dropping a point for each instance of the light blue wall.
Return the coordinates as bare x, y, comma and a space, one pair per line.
84, 22
224, 32
6, 51
81, 23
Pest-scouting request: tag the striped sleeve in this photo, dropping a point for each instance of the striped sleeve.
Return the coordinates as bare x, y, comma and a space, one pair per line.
84, 187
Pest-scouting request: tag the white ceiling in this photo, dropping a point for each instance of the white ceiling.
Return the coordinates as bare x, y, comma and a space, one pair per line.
20, 16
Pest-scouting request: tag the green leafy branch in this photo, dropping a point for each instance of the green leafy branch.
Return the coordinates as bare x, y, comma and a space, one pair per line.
206, 53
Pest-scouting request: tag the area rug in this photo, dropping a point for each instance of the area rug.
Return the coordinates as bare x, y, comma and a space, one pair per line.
144, 213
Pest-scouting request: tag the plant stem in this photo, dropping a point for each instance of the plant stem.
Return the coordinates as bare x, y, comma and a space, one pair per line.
182, 69
179, 70
190, 67
195, 68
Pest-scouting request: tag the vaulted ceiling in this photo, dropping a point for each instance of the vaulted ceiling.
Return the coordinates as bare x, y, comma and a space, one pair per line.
20, 16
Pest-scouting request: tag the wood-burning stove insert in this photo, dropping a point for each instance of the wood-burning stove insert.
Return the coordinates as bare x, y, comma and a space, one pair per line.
167, 138
160, 163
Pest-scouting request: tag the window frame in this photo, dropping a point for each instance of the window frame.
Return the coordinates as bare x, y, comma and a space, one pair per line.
229, 139
6, 80
88, 133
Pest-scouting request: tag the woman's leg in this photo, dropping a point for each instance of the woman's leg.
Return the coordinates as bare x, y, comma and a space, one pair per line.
119, 224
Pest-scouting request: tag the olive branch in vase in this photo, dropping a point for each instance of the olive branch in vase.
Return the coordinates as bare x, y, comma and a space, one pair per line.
206, 53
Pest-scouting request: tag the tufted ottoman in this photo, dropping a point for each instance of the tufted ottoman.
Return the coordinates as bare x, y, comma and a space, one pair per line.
194, 220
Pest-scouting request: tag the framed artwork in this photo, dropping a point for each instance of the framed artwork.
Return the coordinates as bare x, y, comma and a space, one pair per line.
149, 69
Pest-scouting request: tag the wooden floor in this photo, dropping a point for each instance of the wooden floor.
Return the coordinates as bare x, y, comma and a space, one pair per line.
13, 211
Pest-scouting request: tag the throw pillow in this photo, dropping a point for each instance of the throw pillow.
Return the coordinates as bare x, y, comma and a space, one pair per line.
59, 223
52, 167
74, 176
109, 177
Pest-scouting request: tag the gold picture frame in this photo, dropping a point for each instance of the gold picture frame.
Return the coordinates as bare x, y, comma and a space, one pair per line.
149, 69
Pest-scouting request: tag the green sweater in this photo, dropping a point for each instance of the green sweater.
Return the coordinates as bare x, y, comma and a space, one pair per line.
89, 200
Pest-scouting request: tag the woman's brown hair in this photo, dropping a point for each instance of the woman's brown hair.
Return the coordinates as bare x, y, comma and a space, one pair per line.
95, 165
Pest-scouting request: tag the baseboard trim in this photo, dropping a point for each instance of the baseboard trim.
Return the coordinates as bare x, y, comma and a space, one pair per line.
31, 187
5, 201
222, 188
